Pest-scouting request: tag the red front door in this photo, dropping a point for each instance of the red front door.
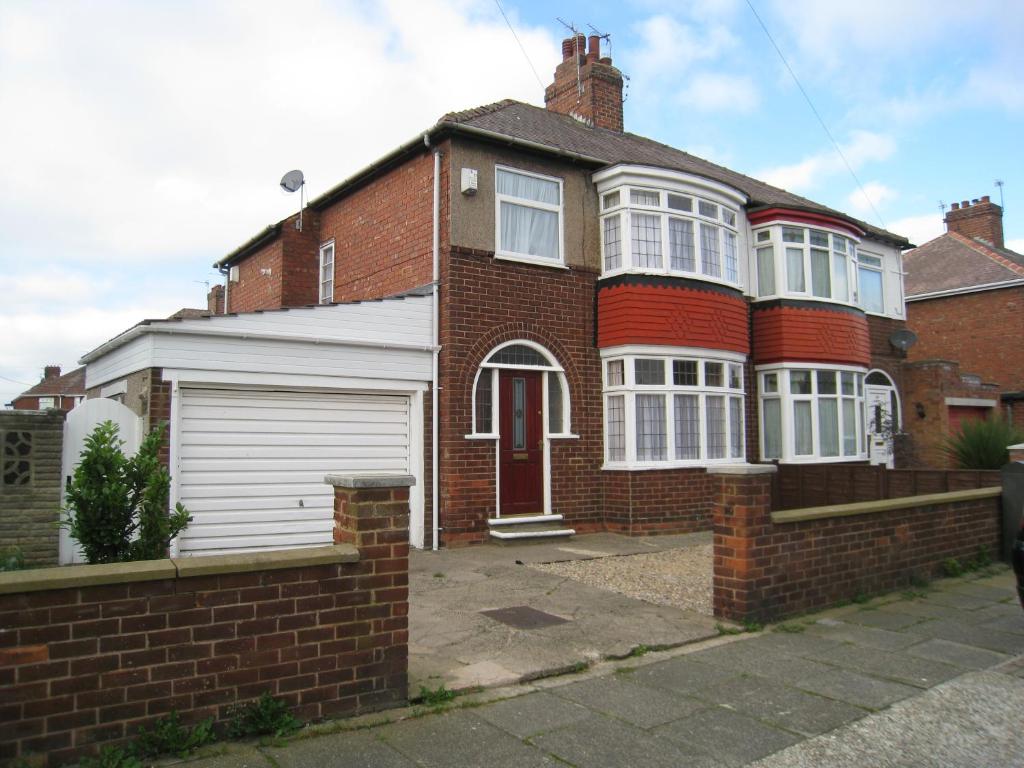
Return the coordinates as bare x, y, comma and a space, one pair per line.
521, 448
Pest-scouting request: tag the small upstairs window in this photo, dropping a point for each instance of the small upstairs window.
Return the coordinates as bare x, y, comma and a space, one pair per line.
529, 216
327, 273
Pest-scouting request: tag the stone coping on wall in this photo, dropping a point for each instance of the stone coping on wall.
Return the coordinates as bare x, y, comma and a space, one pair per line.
882, 505
370, 481
743, 469
76, 576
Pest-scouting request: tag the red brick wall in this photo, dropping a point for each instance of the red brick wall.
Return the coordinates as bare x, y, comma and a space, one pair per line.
978, 330
383, 232
84, 666
255, 290
657, 501
32, 403
811, 333
765, 570
672, 312
485, 303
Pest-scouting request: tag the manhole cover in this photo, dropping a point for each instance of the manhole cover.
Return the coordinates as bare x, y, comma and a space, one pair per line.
524, 617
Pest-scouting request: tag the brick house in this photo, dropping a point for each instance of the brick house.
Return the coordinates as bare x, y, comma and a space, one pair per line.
611, 315
965, 301
54, 390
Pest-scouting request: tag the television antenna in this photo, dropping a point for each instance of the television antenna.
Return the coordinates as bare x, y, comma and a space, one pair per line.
999, 183
294, 181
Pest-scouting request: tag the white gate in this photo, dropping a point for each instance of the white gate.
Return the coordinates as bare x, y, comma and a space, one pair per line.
79, 425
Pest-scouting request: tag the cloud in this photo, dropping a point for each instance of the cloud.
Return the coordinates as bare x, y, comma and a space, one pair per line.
718, 92
877, 193
1016, 245
668, 48
863, 147
918, 229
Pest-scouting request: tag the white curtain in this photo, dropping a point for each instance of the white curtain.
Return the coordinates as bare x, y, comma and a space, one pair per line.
731, 272
840, 278
529, 231
616, 428
765, 271
849, 427
716, 427
613, 242
646, 231
528, 187
736, 427
709, 253
651, 442
795, 269
771, 416
803, 439
687, 418
870, 290
828, 426
680, 243
819, 273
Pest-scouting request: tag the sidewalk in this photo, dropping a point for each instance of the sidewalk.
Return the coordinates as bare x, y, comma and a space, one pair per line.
933, 678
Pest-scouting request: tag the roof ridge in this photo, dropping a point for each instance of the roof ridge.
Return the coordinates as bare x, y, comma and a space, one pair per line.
979, 246
478, 111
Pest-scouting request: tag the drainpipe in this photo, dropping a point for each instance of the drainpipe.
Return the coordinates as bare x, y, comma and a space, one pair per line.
226, 271
434, 398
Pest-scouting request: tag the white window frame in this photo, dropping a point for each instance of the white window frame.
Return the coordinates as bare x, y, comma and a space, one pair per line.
492, 369
629, 390
787, 398
47, 401
878, 269
625, 208
781, 263
326, 296
527, 203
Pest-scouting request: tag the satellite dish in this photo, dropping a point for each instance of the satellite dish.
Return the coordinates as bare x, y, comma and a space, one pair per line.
903, 339
292, 181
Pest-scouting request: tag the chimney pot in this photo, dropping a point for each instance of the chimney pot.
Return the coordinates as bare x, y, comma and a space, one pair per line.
975, 201
567, 48
965, 204
955, 207
593, 48
594, 101
985, 199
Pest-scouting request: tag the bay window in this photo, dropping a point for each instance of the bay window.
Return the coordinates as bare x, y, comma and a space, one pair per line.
669, 233
528, 216
811, 414
667, 410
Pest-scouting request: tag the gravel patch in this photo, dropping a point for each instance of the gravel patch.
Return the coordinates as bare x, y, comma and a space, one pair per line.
680, 578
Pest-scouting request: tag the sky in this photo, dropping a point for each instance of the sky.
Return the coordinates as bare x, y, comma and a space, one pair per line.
141, 142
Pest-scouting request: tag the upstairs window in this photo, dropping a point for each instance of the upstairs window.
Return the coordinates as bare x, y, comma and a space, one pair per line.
668, 233
869, 278
327, 273
814, 263
528, 216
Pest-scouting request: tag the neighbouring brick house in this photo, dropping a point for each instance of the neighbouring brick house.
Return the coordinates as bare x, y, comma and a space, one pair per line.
612, 315
965, 301
53, 391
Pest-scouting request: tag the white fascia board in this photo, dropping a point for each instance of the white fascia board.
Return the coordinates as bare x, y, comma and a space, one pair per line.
248, 380
968, 289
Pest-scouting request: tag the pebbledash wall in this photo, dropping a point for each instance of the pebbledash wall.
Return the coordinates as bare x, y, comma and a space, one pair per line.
30, 483
768, 566
90, 654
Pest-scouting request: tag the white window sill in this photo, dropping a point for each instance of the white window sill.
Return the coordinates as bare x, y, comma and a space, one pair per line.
637, 467
539, 261
482, 437
671, 273
563, 436
820, 459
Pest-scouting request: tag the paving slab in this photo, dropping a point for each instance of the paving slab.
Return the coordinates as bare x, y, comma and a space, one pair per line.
858, 634
729, 737
340, 750
876, 617
603, 742
965, 656
620, 697
956, 599
891, 665
533, 714
969, 722
230, 756
856, 689
455, 644
683, 675
803, 643
460, 739
970, 634
783, 706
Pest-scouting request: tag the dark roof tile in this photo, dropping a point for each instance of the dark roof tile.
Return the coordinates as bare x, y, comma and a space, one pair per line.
952, 262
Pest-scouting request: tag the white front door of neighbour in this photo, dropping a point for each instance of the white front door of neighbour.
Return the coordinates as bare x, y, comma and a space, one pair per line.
78, 425
882, 422
251, 462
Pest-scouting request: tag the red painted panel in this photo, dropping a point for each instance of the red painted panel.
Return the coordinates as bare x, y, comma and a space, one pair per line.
679, 317
803, 217
791, 334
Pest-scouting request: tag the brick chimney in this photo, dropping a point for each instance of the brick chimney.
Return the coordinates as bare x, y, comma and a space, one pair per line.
51, 372
586, 85
977, 218
215, 300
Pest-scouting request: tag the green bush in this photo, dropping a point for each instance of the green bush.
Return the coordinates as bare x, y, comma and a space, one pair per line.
169, 737
111, 757
12, 559
982, 444
266, 716
117, 506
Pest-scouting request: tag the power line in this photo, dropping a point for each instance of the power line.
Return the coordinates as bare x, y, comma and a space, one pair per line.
521, 48
19, 383
815, 111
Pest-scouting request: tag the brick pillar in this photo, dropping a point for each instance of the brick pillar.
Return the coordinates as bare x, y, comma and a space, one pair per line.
742, 533
1016, 452
372, 512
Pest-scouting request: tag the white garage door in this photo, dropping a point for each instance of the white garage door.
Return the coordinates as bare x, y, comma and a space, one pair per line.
252, 463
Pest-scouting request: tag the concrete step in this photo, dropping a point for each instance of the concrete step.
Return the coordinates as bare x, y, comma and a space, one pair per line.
517, 520
520, 536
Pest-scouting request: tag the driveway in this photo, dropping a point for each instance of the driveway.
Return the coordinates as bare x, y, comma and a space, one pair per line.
480, 617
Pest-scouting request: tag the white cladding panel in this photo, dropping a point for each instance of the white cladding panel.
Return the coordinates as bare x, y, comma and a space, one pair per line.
252, 462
